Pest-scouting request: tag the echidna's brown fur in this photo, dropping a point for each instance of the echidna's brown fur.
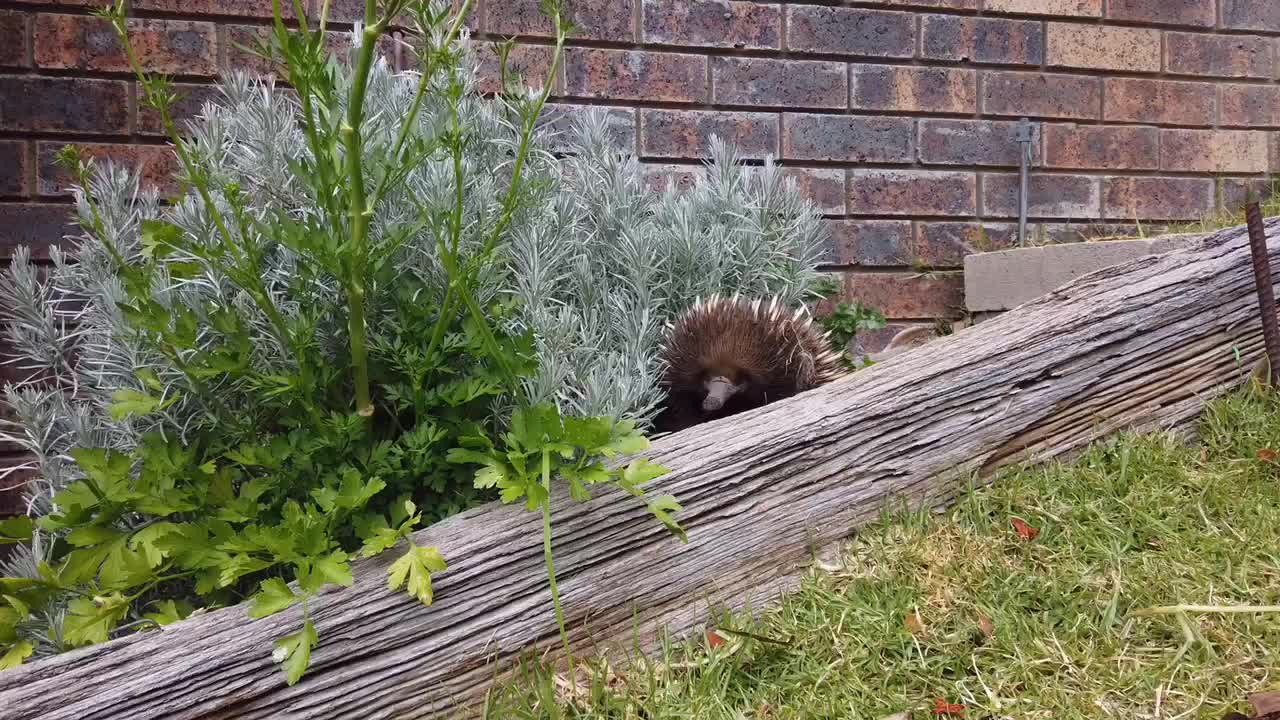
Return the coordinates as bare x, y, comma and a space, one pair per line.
749, 353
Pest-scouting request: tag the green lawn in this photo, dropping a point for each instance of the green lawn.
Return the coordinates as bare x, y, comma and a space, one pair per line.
960, 607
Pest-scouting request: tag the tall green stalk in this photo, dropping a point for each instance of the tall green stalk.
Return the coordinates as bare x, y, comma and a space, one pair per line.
546, 552
359, 212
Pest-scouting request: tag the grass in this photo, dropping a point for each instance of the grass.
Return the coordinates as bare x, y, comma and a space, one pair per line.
964, 608
1224, 218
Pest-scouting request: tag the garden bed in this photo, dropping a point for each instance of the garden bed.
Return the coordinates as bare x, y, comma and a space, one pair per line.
1138, 347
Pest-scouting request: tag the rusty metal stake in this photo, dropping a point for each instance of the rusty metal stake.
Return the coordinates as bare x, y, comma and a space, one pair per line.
1266, 293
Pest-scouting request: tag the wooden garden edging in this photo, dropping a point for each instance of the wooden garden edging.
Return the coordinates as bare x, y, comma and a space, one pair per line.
1142, 345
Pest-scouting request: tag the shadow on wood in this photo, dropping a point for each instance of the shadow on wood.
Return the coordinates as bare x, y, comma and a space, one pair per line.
1143, 346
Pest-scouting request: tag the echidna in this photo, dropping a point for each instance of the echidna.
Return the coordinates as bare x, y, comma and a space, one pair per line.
727, 355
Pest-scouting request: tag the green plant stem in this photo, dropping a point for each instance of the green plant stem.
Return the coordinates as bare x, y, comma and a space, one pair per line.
446, 310
256, 291
359, 213
324, 16
412, 119
304, 88
526, 137
300, 13
464, 280
546, 551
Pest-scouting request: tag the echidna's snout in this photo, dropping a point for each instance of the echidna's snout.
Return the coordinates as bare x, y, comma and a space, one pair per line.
719, 390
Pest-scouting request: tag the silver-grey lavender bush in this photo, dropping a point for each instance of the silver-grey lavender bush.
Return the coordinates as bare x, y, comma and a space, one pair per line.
597, 264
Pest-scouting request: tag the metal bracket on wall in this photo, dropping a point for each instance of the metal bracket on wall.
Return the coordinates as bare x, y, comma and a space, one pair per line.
1025, 135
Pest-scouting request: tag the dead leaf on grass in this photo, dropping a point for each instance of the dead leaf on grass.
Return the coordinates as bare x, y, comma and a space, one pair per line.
1025, 531
943, 708
987, 627
915, 624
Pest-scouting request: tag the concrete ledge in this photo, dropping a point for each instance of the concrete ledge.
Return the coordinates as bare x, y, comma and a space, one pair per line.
1003, 280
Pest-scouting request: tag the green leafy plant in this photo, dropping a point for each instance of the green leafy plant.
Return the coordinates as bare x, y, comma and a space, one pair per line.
231, 396
290, 455
540, 445
845, 321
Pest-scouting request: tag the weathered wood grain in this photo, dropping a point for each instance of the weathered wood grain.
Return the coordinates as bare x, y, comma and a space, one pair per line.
1142, 346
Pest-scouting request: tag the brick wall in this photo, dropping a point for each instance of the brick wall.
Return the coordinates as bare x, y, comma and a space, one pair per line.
897, 116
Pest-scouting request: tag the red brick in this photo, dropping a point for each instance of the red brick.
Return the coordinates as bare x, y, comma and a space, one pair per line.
1068, 8
939, 4
191, 101
846, 138
779, 83
1101, 147
350, 11
635, 75
530, 63
241, 43
1157, 198
1251, 15
914, 89
37, 226
687, 133
970, 142
1242, 151
1098, 47
1168, 12
592, 19
944, 244
982, 40
1219, 55
824, 187
743, 25
662, 177
1051, 196
65, 105
339, 45
13, 168
561, 118
1159, 101
244, 42
231, 8
870, 243
1233, 193
1251, 105
156, 165
65, 42
13, 28
908, 295
1042, 95
912, 192
848, 31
